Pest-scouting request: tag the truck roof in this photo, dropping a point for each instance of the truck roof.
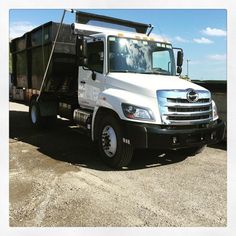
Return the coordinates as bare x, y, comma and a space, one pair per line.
90, 24
111, 22
90, 30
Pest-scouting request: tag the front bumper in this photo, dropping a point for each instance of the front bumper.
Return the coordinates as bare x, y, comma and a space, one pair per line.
164, 137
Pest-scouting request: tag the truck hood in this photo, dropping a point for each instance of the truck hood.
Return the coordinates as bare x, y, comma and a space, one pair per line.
148, 84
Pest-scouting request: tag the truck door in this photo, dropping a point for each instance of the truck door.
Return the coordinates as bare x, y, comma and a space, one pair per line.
92, 77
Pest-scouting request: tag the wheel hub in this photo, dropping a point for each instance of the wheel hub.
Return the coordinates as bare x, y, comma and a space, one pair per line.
109, 141
34, 114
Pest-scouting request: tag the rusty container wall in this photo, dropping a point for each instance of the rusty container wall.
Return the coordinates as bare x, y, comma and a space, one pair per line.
42, 40
39, 60
63, 75
31, 53
22, 72
19, 61
21, 43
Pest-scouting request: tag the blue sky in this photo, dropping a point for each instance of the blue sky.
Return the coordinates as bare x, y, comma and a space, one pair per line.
201, 33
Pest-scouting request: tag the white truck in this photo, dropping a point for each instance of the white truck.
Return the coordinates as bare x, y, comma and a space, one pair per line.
125, 92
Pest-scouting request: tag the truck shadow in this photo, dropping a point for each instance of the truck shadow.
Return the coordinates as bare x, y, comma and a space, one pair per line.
221, 146
64, 143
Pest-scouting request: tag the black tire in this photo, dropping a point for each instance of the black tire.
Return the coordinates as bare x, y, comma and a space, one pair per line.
34, 114
123, 153
192, 151
37, 120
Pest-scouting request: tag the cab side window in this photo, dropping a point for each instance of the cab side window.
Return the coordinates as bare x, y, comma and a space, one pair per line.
96, 56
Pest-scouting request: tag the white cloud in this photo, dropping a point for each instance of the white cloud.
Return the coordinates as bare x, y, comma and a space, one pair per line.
214, 32
217, 57
18, 28
203, 40
181, 40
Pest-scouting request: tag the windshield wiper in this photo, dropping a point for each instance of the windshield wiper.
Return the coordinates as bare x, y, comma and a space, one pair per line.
161, 72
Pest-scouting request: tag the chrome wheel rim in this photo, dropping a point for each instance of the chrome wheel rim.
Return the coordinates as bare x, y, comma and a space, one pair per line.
109, 141
34, 114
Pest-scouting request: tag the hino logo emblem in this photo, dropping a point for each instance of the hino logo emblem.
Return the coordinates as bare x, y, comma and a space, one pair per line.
192, 95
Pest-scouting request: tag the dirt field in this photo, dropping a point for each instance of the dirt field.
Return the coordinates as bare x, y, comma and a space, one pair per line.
57, 179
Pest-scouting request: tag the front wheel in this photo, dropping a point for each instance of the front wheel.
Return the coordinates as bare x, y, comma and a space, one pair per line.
112, 149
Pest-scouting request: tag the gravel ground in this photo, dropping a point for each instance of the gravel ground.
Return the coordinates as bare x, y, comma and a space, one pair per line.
57, 179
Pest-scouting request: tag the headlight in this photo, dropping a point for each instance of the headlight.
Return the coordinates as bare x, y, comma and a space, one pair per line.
134, 112
214, 111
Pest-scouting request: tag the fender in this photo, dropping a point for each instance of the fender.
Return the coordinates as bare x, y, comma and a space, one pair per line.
112, 99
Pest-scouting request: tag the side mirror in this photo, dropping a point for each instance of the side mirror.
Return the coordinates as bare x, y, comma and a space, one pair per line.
180, 57
179, 70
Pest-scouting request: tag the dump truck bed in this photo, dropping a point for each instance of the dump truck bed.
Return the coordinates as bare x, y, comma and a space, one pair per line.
30, 54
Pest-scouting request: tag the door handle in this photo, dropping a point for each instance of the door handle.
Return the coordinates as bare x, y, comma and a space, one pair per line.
82, 82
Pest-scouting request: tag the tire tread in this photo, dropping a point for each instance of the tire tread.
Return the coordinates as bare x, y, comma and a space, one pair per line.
126, 151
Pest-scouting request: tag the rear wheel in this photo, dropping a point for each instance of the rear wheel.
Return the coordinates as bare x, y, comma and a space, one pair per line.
37, 120
112, 149
34, 114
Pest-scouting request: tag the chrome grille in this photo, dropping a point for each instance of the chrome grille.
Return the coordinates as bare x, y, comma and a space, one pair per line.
180, 100
176, 109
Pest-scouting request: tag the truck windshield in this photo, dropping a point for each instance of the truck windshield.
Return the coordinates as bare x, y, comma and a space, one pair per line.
140, 56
